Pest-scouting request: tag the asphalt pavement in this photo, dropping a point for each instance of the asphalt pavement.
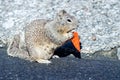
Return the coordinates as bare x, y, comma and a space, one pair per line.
68, 68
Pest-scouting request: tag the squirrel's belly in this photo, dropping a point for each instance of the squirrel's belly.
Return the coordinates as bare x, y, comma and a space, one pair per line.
45, 51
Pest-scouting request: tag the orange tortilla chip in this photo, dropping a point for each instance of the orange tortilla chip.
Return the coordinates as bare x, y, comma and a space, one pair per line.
76, 41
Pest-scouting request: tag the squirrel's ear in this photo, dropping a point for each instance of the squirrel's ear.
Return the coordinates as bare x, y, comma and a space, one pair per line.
62, 12
60, 15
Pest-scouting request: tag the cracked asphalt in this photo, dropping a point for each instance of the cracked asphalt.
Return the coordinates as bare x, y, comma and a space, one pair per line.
68, 68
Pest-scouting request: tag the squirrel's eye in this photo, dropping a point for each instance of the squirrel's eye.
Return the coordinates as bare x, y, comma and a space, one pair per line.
69, 20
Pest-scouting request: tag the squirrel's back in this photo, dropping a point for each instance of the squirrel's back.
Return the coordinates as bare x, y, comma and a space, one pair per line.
35, 32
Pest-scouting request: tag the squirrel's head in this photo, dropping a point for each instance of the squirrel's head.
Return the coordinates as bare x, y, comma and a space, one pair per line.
66, 22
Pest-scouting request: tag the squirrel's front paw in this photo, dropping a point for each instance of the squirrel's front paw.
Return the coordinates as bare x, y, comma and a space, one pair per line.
70, 35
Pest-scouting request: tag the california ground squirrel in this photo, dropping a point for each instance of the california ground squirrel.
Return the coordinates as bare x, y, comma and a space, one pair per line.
42, 37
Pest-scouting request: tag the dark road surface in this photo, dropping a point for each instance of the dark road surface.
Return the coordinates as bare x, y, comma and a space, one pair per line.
60, 69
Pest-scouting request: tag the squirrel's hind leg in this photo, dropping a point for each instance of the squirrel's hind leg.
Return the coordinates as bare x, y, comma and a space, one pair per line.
13, 46
14, 49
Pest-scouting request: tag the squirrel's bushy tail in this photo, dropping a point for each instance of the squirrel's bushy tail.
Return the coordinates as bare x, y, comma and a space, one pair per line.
16, 50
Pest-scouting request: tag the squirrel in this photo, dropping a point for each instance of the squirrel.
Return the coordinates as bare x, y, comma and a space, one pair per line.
42, 37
